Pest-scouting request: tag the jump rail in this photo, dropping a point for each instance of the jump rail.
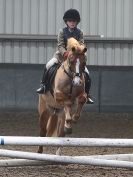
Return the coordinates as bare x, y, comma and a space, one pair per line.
25, 162
82, 160
73, 142
34, 159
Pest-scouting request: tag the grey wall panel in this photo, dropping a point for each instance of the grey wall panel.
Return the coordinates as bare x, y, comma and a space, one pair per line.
42, 53
116, 90
18, 7
18, 86
43, 17
8, 16
39, 52
2, 19
111, 87
110, 54
93, 17
1, 53
24, 53
110, 26
7, 94
8, 57
25, 91
34, 17
51, 11
112, 18
26, 17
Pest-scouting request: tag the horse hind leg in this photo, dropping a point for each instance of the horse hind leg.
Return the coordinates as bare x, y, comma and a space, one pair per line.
55, 128
60, 130
52, 129
43, 127
51, 126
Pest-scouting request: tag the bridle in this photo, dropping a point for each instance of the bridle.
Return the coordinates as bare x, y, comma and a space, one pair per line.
72, 74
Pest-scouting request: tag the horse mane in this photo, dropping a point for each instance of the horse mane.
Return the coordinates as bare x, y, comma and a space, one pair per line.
72, 43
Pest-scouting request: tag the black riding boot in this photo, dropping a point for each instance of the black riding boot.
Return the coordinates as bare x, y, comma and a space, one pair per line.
87, 88
42, 88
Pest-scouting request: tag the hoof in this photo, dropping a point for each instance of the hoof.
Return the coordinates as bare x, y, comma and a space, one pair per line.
67, 130
40, 150
58, 152
75, 118
74, 121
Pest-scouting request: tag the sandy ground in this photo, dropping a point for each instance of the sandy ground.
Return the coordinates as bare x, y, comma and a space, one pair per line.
112, 125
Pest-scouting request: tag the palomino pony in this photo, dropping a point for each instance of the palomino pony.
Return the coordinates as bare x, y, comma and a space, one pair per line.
56, 109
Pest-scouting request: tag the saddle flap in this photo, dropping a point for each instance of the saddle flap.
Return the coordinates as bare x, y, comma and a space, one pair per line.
50, 76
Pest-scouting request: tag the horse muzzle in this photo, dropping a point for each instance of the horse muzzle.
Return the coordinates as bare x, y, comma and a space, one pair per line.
77, 81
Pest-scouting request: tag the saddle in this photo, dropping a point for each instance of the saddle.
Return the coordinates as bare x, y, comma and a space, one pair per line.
51, 72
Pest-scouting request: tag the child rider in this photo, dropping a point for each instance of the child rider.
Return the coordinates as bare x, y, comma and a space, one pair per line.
71, 18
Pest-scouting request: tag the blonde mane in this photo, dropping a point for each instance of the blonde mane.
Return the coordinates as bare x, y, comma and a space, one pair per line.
73, 43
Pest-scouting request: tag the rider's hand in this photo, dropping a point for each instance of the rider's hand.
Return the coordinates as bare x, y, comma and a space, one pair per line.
65, 55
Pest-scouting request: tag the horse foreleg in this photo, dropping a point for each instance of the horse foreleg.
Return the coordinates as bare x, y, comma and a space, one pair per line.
68, 119
81, 102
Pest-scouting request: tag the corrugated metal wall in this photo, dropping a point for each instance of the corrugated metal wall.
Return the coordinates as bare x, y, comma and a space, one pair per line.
111, 18
26, 52
108, 54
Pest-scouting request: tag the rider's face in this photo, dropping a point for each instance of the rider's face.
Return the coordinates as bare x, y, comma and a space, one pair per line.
71, 24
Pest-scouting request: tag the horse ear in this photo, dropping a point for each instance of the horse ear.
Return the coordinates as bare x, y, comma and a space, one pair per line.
73, 49
85, 49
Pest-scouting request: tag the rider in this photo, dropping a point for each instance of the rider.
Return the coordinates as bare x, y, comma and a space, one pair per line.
71, 18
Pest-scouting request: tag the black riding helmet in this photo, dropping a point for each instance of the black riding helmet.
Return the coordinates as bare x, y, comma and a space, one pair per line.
71, 14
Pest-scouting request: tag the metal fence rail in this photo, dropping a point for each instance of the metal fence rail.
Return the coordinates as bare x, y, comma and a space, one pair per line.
53, 38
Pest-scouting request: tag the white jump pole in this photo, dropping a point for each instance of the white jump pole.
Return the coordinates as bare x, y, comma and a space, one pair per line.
83, 160
75, 142
121, 157
21, 162
25, 162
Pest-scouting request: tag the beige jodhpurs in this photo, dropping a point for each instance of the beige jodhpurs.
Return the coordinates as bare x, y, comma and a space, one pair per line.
57, 57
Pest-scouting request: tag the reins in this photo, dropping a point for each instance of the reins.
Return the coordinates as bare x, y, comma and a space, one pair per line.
67, 73
71, 75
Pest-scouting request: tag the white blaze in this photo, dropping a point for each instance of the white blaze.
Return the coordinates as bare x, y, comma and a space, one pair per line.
76, 79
